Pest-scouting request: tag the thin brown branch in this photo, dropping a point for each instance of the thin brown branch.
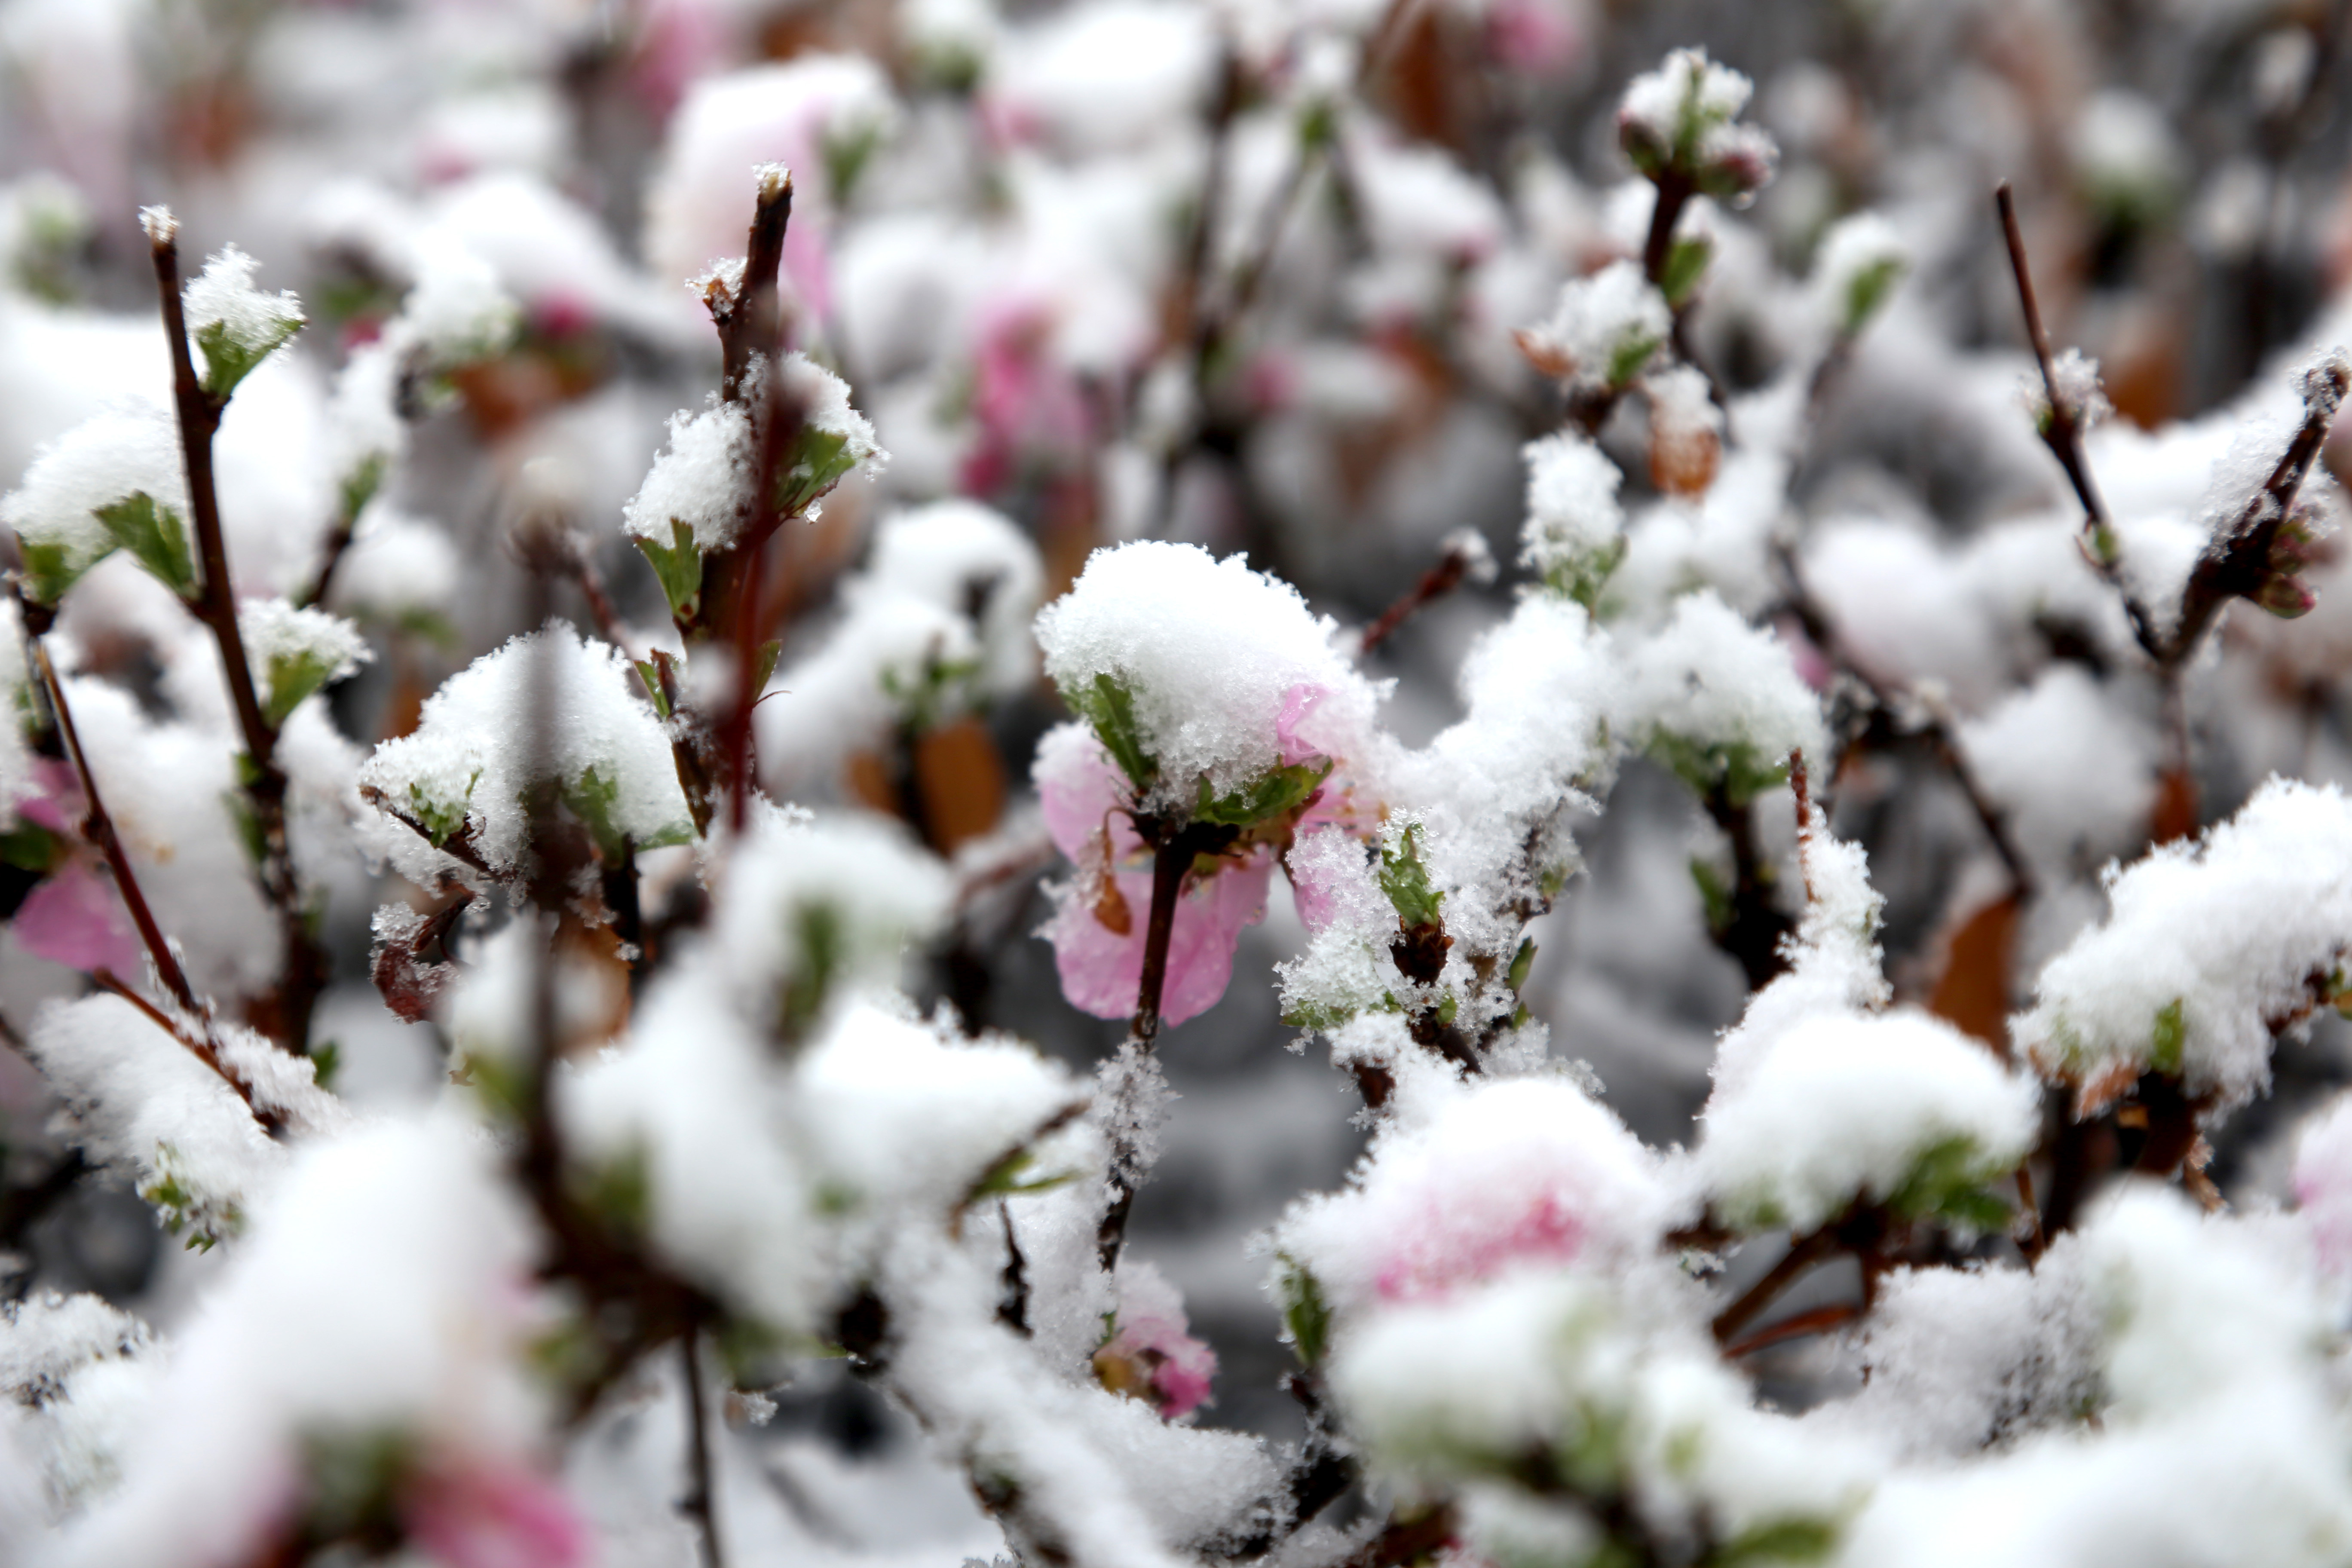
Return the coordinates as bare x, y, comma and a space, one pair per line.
1170, 862
302, 968
2237, 561
97, 829
1435, 583
2063, 434
749, 315
701, 1500
1802, 1254
1796, 1326
204, 1050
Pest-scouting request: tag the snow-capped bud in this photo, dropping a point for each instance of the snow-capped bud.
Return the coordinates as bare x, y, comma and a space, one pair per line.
294, 652
236, 324
1679, 121
1860, 262
1686, 432
1605, 329
2075, 376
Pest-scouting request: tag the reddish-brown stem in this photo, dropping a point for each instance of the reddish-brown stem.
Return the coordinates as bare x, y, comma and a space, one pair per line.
1795, 1326
1170, 861
1435, 583
1802, 1254
1674, 191
98, 829
202, 1049
302, 968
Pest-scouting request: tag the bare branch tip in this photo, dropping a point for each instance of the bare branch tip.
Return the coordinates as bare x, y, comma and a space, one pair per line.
163, 229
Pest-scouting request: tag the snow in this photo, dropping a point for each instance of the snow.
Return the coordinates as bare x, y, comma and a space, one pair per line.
1718, 700
1492, 1176
142, 1101
378, 1293
547, 706
1606, 326
1574, 523
1207, 653
250, 323
2208, 950
397, 567
131, 448
702, 479
1897, 1108
294, 652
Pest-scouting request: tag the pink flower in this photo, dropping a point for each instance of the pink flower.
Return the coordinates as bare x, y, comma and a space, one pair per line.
495, 1515
1029, 407
1151, 1354
74, 918
1432, 1256
1533, 38
1098, 930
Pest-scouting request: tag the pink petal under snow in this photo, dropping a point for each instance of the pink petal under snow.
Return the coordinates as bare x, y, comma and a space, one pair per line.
74, 918
1430, 1258
1296, 732
55, 801
1153, 1334
496, 1516
1102, 970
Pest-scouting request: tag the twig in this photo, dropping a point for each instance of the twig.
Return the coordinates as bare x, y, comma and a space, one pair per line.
699, 1502
1802, 1254
204, 1050
1938, 729
1170, 862
1795, 1326
98, 829
302, 970
1435, 583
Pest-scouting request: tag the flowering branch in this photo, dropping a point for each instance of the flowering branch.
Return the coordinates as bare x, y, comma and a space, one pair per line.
302, 967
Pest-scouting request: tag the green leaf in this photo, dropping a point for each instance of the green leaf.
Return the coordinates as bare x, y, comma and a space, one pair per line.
1109, 707
228, 360
763, 666
819, 460
234, 358
1714, 894
325, 1059
1406, 881
1686, 263
1303, 1313
1947, 1182
1008, 1178
28, 847
678, 565
1796, 1539
650, 674
1583, 577
823, 950
292, 677
1742, 770
154, 534
52, 566
1867, 289
1275, 793
1631, 353
359, 486
441, 818
2168, 1040
1521, 961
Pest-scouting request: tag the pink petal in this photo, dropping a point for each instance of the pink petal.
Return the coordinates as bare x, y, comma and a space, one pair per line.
1294, 730
1102, 971
74, 918
502, 1516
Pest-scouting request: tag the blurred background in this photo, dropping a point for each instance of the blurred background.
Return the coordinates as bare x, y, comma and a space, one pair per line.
1245, 274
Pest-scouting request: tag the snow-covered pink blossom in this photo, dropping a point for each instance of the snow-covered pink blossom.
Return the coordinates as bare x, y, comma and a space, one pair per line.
1098, 930
1151, 1353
